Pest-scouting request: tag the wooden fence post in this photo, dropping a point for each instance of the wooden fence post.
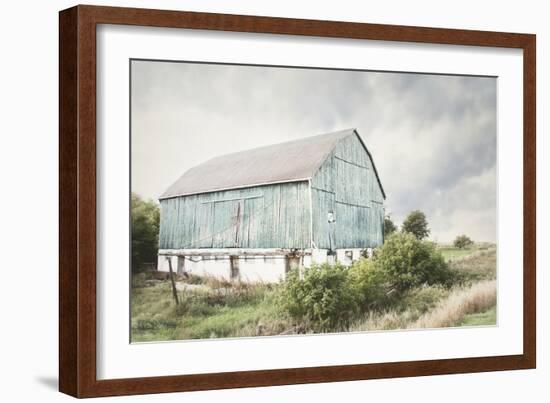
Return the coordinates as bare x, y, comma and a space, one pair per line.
174, 290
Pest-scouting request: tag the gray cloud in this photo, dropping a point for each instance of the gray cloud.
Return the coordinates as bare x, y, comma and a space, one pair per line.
433, 137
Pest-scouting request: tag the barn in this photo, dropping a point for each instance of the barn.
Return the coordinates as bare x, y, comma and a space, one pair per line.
256, 214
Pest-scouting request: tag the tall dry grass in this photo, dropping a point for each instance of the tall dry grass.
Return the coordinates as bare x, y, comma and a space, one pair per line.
448, 312
480, 265
478, 298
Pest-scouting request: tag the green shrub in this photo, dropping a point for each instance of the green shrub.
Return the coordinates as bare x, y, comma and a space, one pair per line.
406, 262
324, 296
368, 281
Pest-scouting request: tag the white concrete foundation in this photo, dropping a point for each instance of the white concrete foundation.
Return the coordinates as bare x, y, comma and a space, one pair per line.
268, 270
347, 256
268, 265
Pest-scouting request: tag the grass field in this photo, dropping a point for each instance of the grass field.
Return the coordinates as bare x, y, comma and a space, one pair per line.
210, 308
489, 317
450, 253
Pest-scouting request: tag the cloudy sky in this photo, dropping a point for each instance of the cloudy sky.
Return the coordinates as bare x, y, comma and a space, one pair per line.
432, 137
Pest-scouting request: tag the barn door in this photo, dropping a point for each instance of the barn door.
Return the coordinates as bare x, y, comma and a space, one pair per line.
238, 213
227, 223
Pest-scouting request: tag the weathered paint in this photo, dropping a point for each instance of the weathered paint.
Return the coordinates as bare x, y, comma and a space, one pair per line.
347, 199
333, 214
270, 216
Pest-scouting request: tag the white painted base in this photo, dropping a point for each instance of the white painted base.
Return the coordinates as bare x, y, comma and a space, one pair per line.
269, 268
347, 256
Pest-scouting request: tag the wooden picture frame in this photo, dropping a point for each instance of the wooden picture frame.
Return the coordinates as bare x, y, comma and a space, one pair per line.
77, 208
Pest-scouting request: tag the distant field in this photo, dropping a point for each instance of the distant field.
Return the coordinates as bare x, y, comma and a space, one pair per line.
451, 253
210, 308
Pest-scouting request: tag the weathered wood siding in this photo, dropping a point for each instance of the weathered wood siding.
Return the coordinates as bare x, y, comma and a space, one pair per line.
346, 186
271, 216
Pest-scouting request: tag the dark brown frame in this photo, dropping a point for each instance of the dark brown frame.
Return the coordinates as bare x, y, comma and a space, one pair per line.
77, 195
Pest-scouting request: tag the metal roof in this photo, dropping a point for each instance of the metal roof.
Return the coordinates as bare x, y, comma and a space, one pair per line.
292, 161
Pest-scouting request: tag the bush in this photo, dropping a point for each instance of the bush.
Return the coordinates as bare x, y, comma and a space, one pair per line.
325, 296
406, 262
368, 281
462, 242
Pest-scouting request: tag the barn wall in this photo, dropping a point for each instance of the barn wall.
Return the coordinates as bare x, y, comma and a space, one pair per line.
271, 216
346, 185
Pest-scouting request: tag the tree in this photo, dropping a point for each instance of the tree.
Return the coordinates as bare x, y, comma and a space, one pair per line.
389, 226
406, 262
416, 224
462, 242
145, 217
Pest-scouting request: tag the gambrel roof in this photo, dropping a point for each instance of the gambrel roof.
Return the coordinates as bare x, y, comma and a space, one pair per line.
292, 161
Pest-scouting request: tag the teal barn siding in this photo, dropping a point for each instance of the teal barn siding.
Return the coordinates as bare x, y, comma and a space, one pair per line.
279, 196
269, 216
346, 186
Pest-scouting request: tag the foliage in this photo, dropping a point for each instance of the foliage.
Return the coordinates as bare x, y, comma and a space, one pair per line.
325, 296
203, 312
389, 226
145, 218
433, 307
368, 282
407, 262
416, 224
214, 308
462, 242
462, 301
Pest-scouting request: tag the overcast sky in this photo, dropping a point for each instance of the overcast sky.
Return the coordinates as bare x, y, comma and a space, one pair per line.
433, 138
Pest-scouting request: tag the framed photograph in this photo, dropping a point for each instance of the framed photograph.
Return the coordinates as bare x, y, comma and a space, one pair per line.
254, 201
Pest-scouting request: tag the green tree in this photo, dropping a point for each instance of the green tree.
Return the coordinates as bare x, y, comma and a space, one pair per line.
145, 218
462, 242
407, 262
416, 224
389, 226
